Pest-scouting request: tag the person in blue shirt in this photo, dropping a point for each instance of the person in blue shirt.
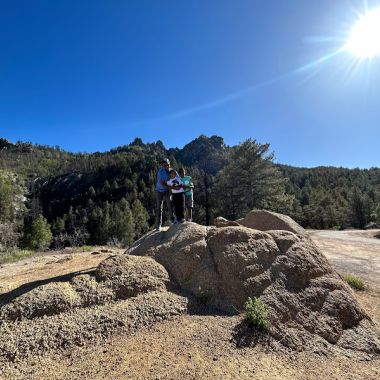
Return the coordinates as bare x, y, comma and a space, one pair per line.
163, 193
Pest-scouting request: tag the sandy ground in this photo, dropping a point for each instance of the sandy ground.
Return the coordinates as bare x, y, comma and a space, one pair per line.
352, 251
196, 346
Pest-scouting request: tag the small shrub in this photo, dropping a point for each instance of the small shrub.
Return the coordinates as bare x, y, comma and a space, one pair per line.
355, 282
256, 313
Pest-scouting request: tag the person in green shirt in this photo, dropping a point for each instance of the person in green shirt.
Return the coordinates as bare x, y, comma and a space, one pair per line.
188, 186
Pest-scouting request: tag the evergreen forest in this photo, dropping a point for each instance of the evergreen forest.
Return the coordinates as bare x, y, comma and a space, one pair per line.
51, 198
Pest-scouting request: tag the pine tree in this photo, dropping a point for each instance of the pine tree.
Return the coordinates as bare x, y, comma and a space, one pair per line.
6, 199
106, 187
58, 226
91, 192
376, 214
360, 209
140, 217
95, 226
37, 235
250, 180
122, 226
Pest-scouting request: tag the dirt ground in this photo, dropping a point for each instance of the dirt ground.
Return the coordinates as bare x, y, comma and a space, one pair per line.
352, 251
50, 266
196, 346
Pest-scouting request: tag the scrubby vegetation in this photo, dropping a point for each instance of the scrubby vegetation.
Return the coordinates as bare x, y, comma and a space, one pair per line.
355, 282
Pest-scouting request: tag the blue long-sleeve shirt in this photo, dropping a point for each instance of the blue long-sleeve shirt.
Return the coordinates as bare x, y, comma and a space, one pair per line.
162, 175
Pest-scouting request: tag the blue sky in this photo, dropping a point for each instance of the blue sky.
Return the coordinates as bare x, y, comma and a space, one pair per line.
92, 75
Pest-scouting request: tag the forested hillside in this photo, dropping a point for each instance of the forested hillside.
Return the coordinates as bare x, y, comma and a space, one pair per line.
73, 198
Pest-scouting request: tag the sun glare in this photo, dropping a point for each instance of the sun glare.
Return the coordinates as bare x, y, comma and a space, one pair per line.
364, 39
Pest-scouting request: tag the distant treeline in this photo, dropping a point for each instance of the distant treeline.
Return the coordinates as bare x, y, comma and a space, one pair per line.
50, 197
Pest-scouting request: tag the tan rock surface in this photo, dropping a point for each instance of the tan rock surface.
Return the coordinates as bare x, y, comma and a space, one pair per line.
223, 222
267, 220
307, 299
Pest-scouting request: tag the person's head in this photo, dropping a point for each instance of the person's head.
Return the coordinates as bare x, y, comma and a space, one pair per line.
165, 163
182, 172
173, 174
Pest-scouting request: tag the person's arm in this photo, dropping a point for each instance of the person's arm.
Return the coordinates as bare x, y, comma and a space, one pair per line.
180, 184
169, 185
189, 186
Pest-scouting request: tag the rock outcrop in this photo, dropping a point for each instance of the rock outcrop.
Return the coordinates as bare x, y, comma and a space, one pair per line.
223, 222
164, 272
267, 220
306, 298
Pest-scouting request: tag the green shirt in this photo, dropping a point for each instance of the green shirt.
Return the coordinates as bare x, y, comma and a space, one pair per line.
187, 182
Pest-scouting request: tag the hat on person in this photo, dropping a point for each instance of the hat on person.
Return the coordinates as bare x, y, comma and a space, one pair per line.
165, 161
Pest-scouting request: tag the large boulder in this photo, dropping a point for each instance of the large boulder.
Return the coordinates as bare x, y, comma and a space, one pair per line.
183, 250
267, 220
303, 293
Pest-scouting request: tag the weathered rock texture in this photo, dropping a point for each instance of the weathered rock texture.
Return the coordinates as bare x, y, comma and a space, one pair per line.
305, 296
223, 222
309, 304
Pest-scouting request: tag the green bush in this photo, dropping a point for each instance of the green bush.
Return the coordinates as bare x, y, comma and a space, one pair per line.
37, 235
355, 282
256, 313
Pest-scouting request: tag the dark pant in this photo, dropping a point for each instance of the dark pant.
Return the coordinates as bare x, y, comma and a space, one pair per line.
160, 198
178, 200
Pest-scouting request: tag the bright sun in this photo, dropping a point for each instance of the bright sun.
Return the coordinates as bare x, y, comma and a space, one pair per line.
364, 40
